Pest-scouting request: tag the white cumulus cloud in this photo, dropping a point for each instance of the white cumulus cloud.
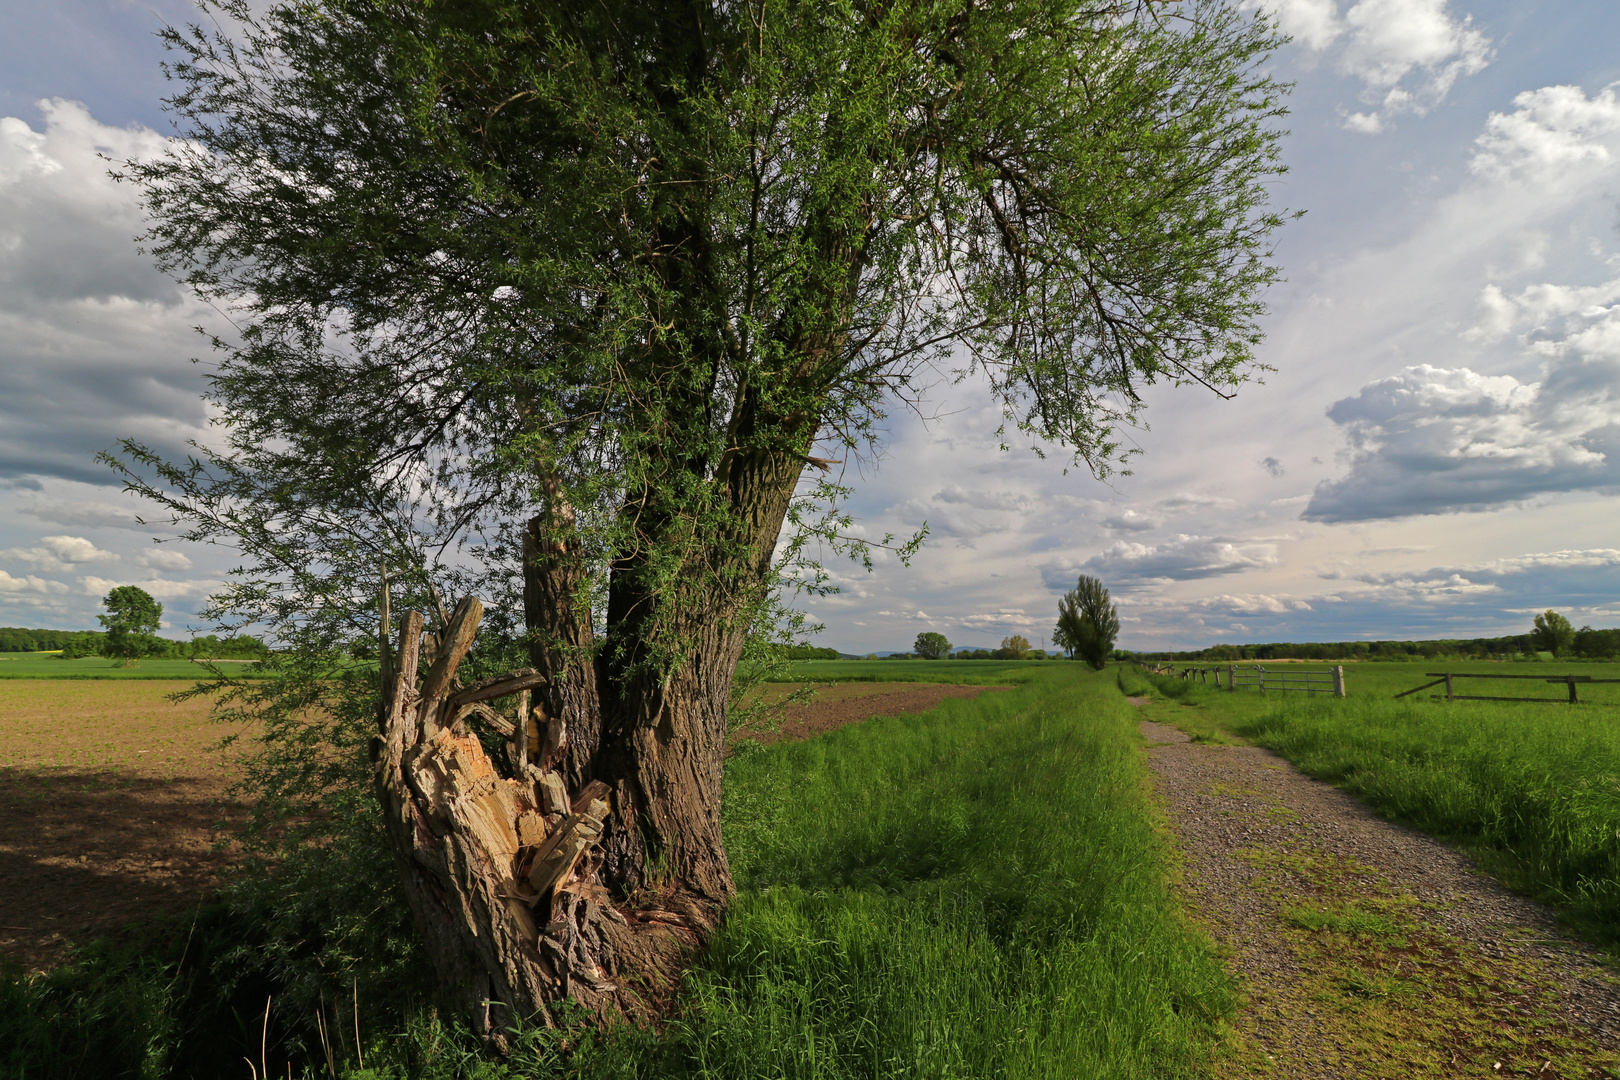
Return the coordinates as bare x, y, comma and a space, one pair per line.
58, 553
1435, 440
1185, 557
1407, 53
95, 343
1552, 130
30, 584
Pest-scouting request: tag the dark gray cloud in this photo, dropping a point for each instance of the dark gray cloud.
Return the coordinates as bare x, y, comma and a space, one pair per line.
1487, 599
1435, 440
1182, 558
94, 342
87, 515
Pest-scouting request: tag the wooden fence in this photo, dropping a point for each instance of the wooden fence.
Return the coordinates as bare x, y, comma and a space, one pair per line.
1304, 680
1571, 681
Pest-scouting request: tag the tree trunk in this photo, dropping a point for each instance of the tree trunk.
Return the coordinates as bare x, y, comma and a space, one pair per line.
589, 864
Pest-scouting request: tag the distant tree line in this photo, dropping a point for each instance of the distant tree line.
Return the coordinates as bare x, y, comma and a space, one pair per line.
78, 643
811, 652
1586, 643
19, 639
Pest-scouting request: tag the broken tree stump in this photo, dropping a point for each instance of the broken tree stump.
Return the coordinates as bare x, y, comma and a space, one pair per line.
498, 869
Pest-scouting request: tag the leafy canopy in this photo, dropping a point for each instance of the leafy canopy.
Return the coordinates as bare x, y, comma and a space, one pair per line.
931, 645
132, 619
1552, 632
496, 255
1013, 648
616, 262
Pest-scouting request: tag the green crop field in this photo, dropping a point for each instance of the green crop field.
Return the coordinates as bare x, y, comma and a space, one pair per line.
960, 672
1530, 789
52, 666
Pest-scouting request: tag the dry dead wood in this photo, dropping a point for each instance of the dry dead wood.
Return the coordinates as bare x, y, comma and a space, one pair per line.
500, 870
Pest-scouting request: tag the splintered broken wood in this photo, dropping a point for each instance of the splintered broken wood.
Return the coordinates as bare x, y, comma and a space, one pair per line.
520, 734
522, 680
454, 641
488, 856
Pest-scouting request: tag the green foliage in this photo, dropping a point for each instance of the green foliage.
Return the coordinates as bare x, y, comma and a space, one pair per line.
18, 639
494, 258
931, 646
130, 624
78, 646
1553, 633
811, 652
1503, 648
1014, 647
1596, 644
1088, 622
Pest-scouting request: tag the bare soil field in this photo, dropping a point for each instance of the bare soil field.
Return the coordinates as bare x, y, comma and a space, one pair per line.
108, 798
110, 794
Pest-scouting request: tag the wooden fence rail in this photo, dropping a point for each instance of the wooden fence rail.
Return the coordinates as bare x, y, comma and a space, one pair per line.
1303, 680
1571, 681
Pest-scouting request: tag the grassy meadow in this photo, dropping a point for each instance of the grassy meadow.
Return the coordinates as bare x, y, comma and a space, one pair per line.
1530, 790
49, 665
976, 891
960, 672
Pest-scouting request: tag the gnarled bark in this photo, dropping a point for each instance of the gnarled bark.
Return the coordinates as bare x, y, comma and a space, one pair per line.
588, 863
501, 866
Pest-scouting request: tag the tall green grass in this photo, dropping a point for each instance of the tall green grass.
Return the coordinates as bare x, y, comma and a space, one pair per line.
1532, 791
974, 892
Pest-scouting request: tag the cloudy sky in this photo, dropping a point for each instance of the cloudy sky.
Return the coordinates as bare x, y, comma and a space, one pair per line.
1436, 453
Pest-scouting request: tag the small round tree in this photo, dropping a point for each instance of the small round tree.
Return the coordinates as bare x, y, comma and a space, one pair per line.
131, 621
1013, 648
1088, 622
931, 646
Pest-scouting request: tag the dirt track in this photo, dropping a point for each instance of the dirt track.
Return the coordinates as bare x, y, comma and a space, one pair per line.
839, 704
1365, 949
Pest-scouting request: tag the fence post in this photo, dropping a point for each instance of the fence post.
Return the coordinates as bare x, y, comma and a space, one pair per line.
1572, 698
1231, 676
1262, 672
1448, 686
1338, 680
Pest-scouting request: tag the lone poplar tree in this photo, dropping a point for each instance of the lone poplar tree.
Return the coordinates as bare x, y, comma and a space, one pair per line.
557, 302
1088, 622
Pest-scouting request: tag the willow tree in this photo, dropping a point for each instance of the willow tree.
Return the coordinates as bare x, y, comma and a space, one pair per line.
563, 299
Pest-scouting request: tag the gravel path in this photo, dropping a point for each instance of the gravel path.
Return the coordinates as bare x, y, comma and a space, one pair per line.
1365, 949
